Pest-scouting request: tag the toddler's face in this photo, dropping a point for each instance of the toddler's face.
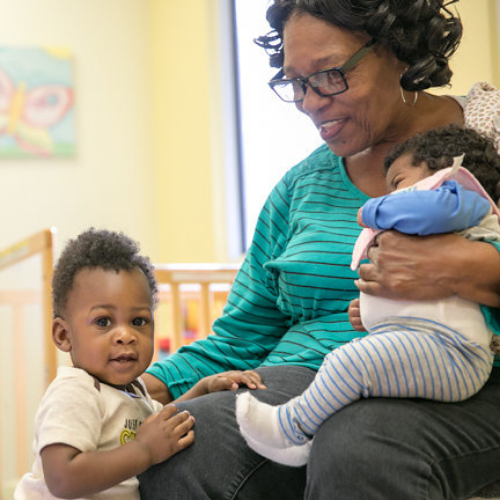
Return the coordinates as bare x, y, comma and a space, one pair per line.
402, 174
109, 324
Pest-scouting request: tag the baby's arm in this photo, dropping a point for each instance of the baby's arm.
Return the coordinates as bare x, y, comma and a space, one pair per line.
225, 381
70, 473
446, 209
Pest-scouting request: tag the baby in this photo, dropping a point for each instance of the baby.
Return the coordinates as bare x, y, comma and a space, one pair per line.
431, 349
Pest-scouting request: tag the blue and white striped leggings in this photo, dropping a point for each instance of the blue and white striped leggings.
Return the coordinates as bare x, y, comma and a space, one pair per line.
401, 358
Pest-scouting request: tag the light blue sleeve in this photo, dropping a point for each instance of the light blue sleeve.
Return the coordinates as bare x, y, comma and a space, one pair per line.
446, 209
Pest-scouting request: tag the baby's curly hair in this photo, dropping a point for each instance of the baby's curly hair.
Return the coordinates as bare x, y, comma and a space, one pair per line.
422, 33
97, 249
438, 147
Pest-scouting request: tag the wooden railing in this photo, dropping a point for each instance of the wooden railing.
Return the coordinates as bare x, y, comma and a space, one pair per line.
41, 243
207, 284
18, 301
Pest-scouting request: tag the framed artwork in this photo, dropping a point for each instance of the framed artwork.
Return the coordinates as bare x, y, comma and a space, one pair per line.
36, 103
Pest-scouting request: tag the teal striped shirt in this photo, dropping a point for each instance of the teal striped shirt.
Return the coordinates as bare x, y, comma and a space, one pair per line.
289, 302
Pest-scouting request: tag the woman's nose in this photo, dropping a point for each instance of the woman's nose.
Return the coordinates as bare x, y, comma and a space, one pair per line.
312, 101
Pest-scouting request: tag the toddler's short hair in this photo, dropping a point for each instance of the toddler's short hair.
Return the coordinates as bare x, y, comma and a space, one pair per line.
103, 249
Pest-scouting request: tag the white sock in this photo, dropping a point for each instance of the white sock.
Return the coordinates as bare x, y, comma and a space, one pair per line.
260, 421
259, 425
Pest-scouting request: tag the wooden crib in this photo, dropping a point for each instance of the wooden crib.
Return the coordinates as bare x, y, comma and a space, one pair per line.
190, 297
24, 306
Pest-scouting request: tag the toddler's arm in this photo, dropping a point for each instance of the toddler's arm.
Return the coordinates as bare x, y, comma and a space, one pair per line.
70, 473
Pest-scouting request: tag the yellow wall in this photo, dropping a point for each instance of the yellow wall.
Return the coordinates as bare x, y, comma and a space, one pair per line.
182, 139
477, 56
110, 180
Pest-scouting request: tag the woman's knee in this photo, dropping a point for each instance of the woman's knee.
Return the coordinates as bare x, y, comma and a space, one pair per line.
356, 452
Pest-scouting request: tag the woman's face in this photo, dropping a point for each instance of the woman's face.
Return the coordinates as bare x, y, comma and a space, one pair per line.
371, 111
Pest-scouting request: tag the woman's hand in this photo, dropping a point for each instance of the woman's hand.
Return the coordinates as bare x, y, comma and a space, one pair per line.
230, 381
431, 267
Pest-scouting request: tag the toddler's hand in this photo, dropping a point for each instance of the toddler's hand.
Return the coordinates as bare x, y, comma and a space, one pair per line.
166, 433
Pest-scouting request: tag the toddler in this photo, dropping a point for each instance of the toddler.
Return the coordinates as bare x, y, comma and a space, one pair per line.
97, 427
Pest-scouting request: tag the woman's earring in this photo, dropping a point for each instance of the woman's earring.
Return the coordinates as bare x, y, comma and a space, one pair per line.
415, 96
409, 104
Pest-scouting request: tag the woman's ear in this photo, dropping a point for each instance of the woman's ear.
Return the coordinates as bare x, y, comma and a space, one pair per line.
60, 335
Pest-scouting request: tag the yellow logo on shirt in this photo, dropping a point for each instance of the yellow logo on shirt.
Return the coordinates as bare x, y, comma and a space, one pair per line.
126, 436
130, 430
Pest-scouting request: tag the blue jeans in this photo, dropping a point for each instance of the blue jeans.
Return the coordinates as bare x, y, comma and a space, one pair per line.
376, 448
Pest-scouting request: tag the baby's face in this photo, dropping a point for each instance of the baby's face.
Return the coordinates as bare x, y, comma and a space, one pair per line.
402, 174
110, 324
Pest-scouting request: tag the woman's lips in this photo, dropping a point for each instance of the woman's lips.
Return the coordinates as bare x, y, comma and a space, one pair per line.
328, 130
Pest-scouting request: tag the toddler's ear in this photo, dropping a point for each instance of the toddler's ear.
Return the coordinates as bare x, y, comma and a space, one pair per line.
60, 335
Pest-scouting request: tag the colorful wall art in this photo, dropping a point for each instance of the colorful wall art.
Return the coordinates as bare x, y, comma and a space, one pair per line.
36, 103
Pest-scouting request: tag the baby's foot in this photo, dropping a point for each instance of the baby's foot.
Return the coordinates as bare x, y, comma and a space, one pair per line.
260, 421
293, 456
260, 426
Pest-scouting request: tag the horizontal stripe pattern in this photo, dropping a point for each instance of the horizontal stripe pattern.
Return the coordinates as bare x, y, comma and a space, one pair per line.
289, 302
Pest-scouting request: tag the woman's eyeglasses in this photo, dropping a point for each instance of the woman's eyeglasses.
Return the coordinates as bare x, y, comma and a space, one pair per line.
325, 83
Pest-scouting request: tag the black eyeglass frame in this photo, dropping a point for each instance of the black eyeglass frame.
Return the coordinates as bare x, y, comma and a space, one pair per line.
341, 70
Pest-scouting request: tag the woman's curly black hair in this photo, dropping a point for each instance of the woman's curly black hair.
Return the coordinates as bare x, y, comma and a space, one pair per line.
438, 147
97, 249
424, 34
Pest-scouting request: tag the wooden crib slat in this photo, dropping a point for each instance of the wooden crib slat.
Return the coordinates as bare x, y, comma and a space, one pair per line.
203, 277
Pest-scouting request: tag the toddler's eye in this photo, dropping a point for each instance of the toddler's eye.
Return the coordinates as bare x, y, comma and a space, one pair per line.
140, 321
102, 321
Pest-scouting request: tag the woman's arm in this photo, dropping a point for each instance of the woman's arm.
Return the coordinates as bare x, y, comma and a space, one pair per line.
431, 267
157, 389
225, 381
251, 325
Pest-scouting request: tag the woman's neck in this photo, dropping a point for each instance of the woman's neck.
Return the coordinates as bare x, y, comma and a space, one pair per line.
366, 169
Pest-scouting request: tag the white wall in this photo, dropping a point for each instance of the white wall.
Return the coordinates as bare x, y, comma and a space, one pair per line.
110, 181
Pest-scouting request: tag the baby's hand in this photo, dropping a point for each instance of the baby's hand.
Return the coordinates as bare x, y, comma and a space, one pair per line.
166, 433
231, 380
354, 312
360, 218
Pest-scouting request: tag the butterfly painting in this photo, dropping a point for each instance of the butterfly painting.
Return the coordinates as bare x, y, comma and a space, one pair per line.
36, 103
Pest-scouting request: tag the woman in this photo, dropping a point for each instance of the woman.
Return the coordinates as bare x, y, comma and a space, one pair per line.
358, 69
